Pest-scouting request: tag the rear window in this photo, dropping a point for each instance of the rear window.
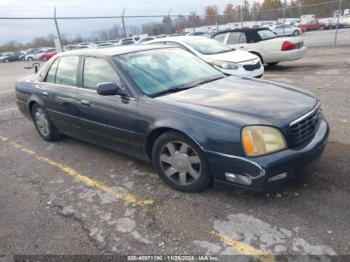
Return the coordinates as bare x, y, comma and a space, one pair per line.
67, 71
266, 34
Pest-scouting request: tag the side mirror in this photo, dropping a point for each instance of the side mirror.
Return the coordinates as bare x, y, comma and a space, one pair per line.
108, 89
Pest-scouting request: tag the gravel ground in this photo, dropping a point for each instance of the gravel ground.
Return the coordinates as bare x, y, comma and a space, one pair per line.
71, 197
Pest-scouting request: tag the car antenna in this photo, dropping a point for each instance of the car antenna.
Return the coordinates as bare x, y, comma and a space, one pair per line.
35, 66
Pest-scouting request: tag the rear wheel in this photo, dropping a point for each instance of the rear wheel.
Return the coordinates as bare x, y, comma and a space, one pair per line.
273, 64
43, 124
180, 162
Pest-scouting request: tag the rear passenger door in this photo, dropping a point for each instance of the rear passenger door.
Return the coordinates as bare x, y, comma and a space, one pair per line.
237, 40
59, 90
109, 121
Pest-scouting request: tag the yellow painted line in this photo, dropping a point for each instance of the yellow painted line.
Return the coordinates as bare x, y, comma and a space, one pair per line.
129, 198
7, 110
244, 248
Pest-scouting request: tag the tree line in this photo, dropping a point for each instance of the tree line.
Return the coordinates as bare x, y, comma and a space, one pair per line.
255, 11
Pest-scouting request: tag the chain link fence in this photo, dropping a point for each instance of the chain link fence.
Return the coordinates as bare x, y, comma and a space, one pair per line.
331, 15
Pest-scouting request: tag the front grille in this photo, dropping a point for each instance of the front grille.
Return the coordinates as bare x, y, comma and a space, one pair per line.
304, 128
252, 66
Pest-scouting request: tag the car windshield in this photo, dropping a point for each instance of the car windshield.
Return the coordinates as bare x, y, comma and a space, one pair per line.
266, 34
207, 46
159, 71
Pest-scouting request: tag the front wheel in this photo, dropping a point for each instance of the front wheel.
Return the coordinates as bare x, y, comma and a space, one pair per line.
296, 32
43, 124
180, 163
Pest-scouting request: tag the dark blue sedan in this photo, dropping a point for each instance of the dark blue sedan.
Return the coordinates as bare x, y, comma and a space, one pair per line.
169, 107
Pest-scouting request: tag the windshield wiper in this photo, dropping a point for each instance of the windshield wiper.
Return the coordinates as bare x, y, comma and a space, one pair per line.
205, 81
168, 91
177, 89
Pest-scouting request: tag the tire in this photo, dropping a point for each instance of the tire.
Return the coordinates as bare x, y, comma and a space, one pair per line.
30, 59
296, 32
6, 61
321, 28
180, 163
43, 124
273, 64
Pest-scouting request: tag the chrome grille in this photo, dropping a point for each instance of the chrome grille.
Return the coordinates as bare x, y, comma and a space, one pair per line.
304, 128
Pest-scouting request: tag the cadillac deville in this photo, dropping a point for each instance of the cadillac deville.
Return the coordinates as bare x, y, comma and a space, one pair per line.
164, 105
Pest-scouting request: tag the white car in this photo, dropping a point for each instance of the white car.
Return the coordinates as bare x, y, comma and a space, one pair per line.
226, 59
35, 55
264, 43
285, 30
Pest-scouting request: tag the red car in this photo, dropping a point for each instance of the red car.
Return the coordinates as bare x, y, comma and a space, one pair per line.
47, 55
312, 25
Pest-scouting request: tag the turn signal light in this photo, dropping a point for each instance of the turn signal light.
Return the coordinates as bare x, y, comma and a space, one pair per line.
288, 46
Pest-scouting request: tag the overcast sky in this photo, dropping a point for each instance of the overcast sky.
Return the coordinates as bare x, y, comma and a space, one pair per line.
24, 30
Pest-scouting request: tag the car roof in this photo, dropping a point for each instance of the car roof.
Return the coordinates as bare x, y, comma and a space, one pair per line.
113, 51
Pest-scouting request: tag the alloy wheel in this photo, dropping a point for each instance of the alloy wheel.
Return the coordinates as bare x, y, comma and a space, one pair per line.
180, 163
42, 122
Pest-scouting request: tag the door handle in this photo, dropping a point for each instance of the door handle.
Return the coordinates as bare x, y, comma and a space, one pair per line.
45, 94
85, 102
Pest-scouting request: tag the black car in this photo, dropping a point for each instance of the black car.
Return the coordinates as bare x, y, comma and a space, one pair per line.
9, 57
164, 105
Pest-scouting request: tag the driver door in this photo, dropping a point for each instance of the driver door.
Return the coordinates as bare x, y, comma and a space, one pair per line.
110, 121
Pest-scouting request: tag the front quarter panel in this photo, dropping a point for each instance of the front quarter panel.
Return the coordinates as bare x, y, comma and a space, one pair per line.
208, 133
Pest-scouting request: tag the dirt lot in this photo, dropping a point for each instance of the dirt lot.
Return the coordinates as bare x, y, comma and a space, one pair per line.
70, 197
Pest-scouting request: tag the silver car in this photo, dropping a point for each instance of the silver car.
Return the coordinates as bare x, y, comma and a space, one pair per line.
285, 30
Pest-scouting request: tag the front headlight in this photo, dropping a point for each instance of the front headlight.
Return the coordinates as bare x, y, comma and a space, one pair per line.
262, 140
226, 65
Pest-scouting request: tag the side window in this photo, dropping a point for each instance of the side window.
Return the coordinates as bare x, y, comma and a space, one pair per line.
233, 38
220, 38
97, 70
242, 38
51, 75
67, 71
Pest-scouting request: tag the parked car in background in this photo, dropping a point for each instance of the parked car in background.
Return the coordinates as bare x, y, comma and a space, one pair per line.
34, 55
9, 57
69, 47
264, 43
327, 23
47, 54
145, 39
311, 25
168, 107
226, 59
127, 41
199, 34
345, 20
104, 45
285, 30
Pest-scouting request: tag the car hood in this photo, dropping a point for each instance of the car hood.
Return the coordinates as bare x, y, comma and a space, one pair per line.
235, 56
244, 101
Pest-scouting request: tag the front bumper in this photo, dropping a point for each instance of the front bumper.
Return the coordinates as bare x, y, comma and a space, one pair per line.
265, 172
